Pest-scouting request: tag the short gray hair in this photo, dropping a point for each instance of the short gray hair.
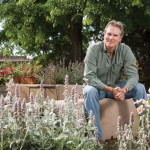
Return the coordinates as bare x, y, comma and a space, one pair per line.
117, 24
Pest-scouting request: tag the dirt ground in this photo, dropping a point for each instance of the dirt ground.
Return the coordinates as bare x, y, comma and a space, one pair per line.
111, 144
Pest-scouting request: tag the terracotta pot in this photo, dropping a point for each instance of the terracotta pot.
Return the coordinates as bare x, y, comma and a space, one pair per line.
29, 80
17, 79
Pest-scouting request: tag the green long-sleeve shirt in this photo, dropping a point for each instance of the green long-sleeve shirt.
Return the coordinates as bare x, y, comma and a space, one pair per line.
100, 70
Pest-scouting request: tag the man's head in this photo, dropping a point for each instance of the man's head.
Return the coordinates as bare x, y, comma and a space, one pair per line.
113, 34
117, 24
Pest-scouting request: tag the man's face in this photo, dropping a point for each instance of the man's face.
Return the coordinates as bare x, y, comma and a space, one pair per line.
112, 37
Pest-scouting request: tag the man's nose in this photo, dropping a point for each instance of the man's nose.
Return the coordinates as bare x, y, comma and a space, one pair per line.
111, 36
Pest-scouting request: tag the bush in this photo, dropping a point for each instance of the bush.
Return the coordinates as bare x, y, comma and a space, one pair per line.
73, 70
54, 74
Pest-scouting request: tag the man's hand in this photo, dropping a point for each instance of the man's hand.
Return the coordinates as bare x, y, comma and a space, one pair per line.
119, 93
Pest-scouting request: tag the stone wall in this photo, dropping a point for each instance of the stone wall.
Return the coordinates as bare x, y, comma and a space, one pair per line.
52, 91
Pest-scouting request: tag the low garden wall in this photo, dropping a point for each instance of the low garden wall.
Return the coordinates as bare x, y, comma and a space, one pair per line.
52, 91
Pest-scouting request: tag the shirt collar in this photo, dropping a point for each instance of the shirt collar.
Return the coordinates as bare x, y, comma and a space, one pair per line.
105, 50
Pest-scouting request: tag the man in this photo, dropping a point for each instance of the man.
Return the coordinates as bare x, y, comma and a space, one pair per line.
104, 63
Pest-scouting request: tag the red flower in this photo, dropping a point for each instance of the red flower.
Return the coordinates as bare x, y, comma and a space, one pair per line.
24, 68
5, 71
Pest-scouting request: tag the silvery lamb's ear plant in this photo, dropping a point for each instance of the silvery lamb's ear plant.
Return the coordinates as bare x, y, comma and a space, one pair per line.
126, 137
39, 124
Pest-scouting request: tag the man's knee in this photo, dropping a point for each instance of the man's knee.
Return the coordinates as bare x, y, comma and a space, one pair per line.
139, 87
141, 91
89, 90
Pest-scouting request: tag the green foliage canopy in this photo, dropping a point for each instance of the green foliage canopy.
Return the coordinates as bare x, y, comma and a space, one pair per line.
53, 29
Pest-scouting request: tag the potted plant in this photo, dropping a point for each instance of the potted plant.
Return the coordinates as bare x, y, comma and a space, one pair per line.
28, 73
16, 72
24, 72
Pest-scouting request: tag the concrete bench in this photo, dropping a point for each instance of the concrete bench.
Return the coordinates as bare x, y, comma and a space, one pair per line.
110, 111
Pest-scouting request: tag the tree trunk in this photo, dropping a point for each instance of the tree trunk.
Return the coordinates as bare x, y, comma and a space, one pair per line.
76, 39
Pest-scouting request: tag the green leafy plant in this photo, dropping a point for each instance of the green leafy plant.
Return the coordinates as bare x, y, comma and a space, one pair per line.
17, 69
31, 69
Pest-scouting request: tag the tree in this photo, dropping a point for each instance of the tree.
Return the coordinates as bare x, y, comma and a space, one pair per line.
37, 25
25, 24
53, 29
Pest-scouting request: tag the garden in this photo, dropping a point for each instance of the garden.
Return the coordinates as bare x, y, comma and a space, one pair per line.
49, 31
50, 74
39, 125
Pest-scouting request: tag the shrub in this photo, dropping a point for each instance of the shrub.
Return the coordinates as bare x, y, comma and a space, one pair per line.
47, 74
54, 74
73, 70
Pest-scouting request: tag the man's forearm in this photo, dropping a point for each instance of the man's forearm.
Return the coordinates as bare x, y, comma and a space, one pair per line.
108, 89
